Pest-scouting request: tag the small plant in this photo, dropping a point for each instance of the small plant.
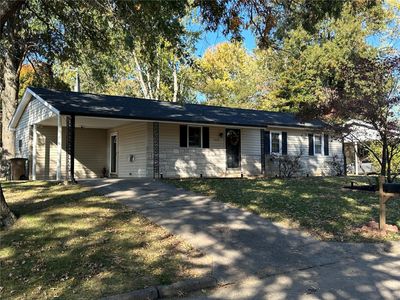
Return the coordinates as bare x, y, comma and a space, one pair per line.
289, 165
336, 165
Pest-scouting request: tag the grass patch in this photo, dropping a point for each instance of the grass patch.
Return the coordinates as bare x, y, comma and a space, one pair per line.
317, 204
70, 243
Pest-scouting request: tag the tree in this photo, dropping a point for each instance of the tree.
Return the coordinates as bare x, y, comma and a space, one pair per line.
64, 29
328, 74
44, 30
7, 217
308, 67
271, 20
37, 74
132, 71
374, 104
227, 75
393, 159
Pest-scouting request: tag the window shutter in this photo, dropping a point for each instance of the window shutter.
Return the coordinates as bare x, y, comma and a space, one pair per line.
310, 144
183, 136
206, 137
267, 142
326, 144
284, 143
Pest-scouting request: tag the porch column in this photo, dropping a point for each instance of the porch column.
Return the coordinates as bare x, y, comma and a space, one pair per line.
59, 147
70, 147
34, 151
356, 157
156, 150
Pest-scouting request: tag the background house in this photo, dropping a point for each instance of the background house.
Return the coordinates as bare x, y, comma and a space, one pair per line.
70, 134
357, 158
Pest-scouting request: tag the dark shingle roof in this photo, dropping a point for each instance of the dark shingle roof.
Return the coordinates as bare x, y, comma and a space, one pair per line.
82, 104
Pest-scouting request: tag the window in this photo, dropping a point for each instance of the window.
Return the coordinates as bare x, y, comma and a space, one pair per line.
194, 136
275, 142
20, 146
318, 144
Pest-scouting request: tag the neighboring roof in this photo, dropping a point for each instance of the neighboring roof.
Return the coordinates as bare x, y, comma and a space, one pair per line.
360, 131
83, 104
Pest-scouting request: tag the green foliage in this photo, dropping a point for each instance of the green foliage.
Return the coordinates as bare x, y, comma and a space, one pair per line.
309, 66
229, 76
376, 148
39, 76
271, 21
161, 74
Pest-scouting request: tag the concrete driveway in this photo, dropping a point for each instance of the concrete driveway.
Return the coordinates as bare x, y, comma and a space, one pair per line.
255, 258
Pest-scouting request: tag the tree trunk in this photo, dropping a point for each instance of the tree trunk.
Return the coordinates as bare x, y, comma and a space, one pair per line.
158, 81
344, 158
7, 217
140, 77
389, 166
175, 75
9, 101
384, 156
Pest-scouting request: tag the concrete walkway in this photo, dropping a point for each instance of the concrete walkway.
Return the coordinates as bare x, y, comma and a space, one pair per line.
258, 258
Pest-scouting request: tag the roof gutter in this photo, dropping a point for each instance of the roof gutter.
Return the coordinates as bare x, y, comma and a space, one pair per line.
204, 123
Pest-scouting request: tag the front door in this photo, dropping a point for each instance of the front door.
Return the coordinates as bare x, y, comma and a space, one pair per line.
113, 153
232, 148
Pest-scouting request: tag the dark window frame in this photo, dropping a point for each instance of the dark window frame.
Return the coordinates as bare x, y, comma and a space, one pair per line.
203, 144
279, 142
321, 145
188, 136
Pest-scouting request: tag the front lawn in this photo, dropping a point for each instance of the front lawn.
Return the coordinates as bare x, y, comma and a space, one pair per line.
317, 204
71, 244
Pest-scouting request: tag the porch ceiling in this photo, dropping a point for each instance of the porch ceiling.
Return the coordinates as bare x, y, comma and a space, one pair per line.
90, 122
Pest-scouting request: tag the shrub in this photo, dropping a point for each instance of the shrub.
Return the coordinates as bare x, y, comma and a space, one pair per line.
336, 166
289, 165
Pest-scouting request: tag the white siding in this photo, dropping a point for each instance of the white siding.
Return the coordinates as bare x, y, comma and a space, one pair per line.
132, 140
90, 152
176, 161
318, 164
35, 112
251, 151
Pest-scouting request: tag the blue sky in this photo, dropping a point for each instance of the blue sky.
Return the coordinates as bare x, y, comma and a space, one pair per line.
209, 39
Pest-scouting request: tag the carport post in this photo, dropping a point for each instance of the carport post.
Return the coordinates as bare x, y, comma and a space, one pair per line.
356, 157
59, 147
34, 151
70, 147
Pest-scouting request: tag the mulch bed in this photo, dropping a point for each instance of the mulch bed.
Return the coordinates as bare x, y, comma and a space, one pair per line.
367, 188
371, 229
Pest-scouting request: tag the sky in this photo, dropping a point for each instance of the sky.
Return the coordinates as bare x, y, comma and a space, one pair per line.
209, 39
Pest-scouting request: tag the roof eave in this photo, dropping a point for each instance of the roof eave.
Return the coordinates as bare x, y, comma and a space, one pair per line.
26, 98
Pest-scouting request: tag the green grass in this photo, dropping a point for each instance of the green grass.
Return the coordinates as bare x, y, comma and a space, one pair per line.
317, 204
70, 243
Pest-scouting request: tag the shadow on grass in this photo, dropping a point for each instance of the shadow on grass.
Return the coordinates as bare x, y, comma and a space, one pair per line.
69, 241
242, 245
318, 204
